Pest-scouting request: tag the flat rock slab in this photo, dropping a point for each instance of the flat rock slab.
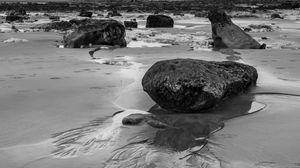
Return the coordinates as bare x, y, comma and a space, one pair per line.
190, 85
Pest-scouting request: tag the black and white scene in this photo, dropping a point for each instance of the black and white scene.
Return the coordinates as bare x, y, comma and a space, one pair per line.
150, 84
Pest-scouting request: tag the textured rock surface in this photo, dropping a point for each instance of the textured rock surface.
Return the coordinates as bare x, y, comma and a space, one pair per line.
228, 35
189, 85
62, 25
159, 21
105, 32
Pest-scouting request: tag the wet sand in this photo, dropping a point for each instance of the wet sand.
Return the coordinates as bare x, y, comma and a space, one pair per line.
51, 95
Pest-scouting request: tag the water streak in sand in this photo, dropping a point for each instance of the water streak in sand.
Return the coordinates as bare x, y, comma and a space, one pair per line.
102, 133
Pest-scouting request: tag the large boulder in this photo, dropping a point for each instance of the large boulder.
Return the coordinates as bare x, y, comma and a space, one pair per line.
189, 85
154, 21
228, 35
105, 32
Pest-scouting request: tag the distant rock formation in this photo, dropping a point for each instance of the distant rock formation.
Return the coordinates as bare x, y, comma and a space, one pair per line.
189, 85
16, 15
105, 32
154, 21
228, 35
131, 24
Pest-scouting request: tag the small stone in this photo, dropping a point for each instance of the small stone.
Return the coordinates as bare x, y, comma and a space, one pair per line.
133, 119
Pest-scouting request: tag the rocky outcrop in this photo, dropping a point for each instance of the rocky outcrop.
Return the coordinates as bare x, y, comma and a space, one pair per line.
228, 35
189, 85
105, 32
131, 24
154, 21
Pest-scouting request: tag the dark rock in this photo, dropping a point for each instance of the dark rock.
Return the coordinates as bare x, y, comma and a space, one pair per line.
13, 18
113, 13
229, 34
105, 32
19, 12
178, 14
261, 27
154, 21
276, 15
14, 28
16, 15
85, 14
54, 18
133, 119
130, 24
153, 121
188, 85
247, 29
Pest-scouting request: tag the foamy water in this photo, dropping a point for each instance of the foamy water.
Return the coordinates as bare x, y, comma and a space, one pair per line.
142, 44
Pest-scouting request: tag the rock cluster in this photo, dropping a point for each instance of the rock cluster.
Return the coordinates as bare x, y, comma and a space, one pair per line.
16, 15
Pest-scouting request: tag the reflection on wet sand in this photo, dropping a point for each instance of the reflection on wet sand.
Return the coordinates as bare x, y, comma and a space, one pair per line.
180, 142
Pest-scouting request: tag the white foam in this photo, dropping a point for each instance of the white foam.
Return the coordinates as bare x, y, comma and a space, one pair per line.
142, 44
179, 26
14, 40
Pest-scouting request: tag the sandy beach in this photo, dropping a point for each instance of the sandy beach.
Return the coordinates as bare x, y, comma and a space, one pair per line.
50, 95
